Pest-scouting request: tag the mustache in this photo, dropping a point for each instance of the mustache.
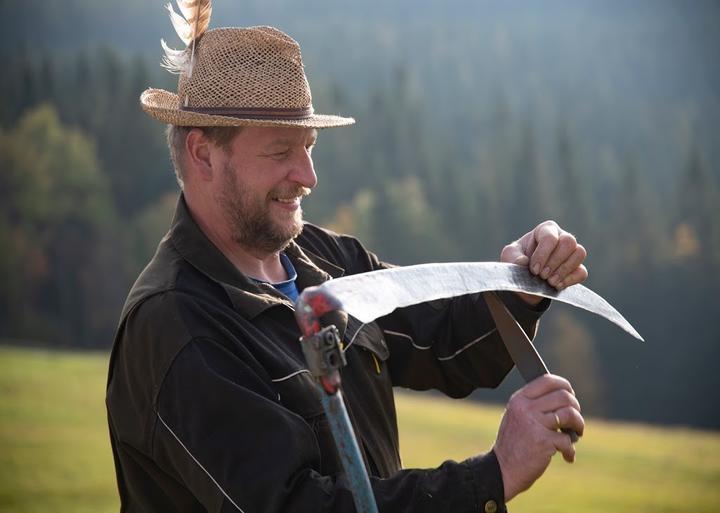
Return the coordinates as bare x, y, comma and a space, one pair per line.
290, 192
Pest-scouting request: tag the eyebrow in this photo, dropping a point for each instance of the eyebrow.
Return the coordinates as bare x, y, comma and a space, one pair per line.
286, 141
279, 142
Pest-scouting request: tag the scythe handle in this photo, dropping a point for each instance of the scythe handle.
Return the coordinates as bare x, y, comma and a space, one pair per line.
325, 357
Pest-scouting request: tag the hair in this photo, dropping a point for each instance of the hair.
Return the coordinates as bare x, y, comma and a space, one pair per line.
221, 136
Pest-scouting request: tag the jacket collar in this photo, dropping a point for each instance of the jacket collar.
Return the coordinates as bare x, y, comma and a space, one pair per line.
247, 297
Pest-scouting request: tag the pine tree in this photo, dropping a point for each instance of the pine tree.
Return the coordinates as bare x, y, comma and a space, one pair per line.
698, 208
572, 194
530, 202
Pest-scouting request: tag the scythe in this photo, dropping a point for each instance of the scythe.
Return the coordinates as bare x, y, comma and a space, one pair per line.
368, 296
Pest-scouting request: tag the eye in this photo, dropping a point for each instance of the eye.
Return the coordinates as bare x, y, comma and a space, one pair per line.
280, 155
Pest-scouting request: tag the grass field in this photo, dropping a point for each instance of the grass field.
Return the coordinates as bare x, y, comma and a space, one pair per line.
55, 455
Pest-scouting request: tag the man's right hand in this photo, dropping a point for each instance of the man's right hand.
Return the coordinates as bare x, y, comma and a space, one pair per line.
529, 432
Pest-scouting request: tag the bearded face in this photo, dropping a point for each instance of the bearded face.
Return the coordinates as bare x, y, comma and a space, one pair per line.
260, 221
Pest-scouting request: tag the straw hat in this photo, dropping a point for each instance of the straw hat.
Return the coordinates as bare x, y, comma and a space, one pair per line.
241, 76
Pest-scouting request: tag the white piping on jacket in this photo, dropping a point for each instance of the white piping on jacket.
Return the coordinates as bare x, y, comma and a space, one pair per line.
198, 463
277, 380
355, 335
405, 335
466, 346
441, 358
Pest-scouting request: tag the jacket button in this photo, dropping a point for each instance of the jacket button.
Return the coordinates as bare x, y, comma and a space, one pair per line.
491, 506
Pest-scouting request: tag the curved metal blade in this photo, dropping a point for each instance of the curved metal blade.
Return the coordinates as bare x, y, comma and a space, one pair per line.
368, 296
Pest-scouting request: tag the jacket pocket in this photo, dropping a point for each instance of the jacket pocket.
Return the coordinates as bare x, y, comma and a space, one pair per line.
370, 338
300, 395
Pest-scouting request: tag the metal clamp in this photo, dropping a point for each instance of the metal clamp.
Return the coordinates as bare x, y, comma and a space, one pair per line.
323, 352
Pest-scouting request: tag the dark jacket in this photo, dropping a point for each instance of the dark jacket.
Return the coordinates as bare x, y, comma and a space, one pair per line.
211, 408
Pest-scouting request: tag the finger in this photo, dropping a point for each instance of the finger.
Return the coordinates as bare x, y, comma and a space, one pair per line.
562, 443
513, 254
522, 260
564, 418
546, 236
551, 420
545, 384
555, 400
564, 249
579, 275
569, 265
519, 251
528, 243
572, 419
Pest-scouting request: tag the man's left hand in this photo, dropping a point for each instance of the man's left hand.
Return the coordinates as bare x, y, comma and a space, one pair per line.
551, 253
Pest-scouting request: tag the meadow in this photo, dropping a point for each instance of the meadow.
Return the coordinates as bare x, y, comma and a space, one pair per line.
55, 455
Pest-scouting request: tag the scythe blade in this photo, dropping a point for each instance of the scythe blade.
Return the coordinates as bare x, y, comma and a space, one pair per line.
368, 296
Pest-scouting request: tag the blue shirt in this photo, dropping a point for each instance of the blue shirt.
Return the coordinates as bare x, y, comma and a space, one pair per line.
287, 287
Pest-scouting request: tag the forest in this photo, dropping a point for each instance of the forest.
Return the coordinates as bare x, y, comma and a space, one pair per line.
476, 121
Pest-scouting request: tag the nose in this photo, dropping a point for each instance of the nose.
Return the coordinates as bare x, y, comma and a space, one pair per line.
303, 171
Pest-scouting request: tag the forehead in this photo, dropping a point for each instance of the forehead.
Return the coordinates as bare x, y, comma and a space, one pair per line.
265, 136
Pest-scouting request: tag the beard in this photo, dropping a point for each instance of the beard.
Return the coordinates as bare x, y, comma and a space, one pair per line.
250, 217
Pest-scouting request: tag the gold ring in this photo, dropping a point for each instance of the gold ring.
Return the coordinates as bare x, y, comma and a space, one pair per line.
557, 421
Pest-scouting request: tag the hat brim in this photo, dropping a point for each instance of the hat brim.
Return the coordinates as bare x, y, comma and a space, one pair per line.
165, 106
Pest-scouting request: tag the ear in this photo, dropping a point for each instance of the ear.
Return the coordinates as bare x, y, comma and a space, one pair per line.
199, 154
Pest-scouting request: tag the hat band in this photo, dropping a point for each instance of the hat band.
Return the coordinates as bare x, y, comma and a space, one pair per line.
254, 113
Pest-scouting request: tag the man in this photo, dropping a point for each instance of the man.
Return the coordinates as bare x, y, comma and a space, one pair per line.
210, 405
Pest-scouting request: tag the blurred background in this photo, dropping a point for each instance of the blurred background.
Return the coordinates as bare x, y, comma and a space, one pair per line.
475, 121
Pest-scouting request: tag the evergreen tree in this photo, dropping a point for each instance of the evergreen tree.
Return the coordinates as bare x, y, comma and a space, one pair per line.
573, 198
529, 203
138, 177
698, 207
28, 90
633, 241
78, 102
47, 80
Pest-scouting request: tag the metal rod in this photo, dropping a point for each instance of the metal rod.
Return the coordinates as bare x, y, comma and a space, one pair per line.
324, 361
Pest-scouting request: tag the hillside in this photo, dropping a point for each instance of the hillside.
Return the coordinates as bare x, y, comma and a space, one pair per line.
55, 456
476, 120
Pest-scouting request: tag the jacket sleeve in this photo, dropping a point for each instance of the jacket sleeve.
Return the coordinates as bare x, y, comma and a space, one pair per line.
222, 431
453, 345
